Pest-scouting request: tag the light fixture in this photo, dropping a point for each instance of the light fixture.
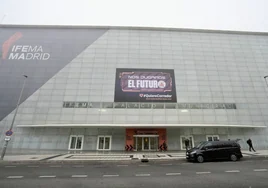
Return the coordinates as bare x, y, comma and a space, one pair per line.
102, 110
184, 111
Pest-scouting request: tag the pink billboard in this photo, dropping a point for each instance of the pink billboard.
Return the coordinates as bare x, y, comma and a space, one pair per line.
145, 85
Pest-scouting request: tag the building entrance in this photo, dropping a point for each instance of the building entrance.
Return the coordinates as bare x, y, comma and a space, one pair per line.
146, 142
145, 139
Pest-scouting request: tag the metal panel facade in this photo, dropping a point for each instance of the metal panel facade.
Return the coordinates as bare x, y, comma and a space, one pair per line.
79, 65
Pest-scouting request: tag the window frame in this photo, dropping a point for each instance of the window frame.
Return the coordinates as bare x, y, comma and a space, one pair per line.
212, 137
110, 144
70, 140
182, 144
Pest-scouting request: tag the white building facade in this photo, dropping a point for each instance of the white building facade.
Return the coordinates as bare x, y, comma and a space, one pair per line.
124, 88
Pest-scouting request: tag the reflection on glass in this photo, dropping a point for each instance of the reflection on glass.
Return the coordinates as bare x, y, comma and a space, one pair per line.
190, 138
101, 142
107, 143
73, 141
209, 138
153, 143
79, 143
145, 143
139, 143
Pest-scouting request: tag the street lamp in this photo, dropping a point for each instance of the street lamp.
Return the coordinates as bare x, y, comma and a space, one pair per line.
266, 80
3, 19
14, 117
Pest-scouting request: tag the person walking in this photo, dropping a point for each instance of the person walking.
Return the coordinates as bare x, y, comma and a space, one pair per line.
249, 142
165, 146
187, 142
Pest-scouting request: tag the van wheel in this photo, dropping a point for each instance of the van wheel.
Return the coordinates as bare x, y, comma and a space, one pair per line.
200, 159
233, 157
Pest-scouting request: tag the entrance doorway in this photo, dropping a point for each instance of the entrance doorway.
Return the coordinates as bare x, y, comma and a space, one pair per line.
146, 142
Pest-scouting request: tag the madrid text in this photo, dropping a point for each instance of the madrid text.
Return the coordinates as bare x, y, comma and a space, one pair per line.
28, 52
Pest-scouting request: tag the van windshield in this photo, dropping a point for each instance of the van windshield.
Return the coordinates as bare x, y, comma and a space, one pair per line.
201, 144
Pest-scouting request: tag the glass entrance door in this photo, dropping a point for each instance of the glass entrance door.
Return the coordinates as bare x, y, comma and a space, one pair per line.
139, 144
146, 143
154, 143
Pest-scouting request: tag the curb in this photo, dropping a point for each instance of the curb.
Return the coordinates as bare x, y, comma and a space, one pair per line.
106, 161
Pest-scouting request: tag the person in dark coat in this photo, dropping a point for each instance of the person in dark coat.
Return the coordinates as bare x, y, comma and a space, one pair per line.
187, 143
249, 142
165, 146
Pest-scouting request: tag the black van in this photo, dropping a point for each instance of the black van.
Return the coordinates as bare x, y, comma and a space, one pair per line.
211, 150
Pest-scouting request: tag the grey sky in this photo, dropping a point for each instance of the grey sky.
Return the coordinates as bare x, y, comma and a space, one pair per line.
243, 15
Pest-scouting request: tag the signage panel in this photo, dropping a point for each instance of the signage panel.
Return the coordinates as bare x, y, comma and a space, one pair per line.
145, 85
133, 105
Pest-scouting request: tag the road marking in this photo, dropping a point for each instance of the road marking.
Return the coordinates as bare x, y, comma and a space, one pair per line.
186, 163
203, 172
121, 165
79, 176
55, 166
232, 171
47, 176
166, 164
78, 166
10, 166
14, 177
144, 165
142, 174
173, 174
33, 166
260, 170
111, 175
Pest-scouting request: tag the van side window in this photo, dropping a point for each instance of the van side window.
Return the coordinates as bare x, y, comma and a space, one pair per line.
208, 145
228, 145
234, 144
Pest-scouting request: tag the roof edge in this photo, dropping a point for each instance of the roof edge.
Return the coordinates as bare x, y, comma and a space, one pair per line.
133, 28
145, 125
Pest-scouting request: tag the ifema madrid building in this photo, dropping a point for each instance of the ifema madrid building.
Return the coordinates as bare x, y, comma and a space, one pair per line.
129, 88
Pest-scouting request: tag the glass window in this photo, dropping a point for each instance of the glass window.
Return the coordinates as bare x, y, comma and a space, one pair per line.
76, 142
73, 141
170, 106
208, 145
200, 145
187, 140
227, 145
213, 138
107, 105
79, 143
104, 143
107, 143
101, 142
